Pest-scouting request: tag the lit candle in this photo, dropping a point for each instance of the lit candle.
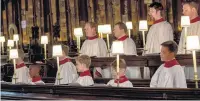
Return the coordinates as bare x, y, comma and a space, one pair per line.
129, 27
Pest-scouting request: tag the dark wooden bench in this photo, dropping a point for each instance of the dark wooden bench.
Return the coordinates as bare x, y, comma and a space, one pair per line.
94, 92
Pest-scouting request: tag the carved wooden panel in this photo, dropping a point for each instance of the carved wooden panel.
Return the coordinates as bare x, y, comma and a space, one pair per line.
101, 17
164, 3
38, 22
116, 11
5, 24
76, 13
29, 19
10, 18
53, 8
109, 12
63, 28
91, 10
135, 16
23, 18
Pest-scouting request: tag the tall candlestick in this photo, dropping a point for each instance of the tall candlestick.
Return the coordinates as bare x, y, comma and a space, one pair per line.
2, 45
45, 51
185, 39
143, 37
14, 76
129, 33
195, 68
118, 70
108, 41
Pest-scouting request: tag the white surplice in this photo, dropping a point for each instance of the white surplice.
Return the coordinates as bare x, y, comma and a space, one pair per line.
22, 75
130, 49
85, 79
68, 72
169, 75
161, 31
95, 46
194, 29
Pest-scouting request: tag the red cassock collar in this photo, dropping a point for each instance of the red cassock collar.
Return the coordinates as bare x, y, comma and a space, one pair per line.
35, 79
123, 38
158, 21
195, 19
121, 79
92, 38
20, 65
171, 63
85, 73
61, 62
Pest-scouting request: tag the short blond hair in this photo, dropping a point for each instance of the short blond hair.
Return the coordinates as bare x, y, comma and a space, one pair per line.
65, 48
122, 64
84, 59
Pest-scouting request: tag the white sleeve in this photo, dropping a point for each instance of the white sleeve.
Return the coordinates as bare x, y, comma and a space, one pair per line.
85, 81
130, 47
179, 79
74, 74
109, 83
166, 33
128, 84
82, 50
103, 48
154, 79
181, 43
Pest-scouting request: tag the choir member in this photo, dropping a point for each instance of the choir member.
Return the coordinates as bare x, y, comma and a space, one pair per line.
170, 74
34, 72
68, 72
123, 80
190, 8
83, 64
22, 75
94, 46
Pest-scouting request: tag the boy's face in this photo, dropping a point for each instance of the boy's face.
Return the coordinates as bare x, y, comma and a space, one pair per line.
165, 54
117, 31
153, 13
79, 66
89, 30
114, 73
187, 10
34, 70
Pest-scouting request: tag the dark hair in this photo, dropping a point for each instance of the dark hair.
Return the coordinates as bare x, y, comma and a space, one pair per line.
192, 3
171, 45
122, 26
156, 5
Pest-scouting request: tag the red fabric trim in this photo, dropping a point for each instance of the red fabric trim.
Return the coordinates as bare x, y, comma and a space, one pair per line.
195, 19
171, 63
35, 79
85, 73
158, 21
97, 73
122, 79
92, 38
64, 61
20, 65
123, 38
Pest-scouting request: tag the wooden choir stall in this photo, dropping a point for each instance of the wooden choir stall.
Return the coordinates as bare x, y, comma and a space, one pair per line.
36, 26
